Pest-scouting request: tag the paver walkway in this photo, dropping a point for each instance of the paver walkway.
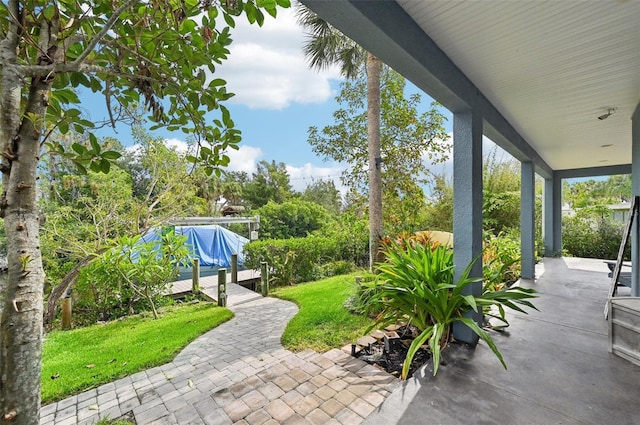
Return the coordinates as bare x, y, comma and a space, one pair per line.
238, 373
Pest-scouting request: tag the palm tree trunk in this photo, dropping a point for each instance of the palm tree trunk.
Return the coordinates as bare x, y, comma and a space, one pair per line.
374, 68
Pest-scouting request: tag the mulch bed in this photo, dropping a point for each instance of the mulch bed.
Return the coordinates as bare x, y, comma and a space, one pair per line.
392, 358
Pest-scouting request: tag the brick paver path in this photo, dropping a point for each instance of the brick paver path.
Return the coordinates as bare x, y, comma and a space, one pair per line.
238, 373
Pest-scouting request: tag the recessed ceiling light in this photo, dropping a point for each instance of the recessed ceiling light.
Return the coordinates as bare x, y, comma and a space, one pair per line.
604, 160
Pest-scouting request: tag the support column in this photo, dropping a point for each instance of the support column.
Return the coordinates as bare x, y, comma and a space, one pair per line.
527, 219
467, 208
635, 189
552, 216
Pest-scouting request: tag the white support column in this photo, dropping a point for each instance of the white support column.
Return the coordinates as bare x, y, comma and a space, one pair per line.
552, 216
635, 178
467, 207
527, 219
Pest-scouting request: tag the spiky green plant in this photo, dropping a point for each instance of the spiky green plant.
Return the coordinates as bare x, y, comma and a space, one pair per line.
417, 286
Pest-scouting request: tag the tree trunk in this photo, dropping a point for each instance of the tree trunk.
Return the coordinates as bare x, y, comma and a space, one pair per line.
21, 319
21, 121
374, 68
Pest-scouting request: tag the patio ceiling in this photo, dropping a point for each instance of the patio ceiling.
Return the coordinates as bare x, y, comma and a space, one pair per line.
542, 72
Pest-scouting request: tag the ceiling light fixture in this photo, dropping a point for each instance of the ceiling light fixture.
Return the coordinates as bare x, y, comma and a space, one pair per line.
610, 112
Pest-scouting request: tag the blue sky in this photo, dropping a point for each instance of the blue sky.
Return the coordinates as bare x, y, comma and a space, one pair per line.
277, 98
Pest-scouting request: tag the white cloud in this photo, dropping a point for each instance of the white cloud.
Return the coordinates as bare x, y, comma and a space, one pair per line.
177, 144
267, 69
244, 159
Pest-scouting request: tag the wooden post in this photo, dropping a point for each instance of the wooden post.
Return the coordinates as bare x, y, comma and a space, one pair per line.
66, 311
234, 268
264, 277
195, 278
222, 287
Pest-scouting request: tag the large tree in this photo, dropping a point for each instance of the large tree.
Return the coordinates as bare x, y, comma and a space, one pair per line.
159, 53
325, 47
270, 182
409, 140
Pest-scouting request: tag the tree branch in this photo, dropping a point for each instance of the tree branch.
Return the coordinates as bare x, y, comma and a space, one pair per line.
98, 37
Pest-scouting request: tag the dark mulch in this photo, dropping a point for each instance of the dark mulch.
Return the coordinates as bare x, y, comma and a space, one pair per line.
392, 359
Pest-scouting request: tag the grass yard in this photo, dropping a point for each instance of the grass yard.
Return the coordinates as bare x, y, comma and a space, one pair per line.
73, 361
322, 322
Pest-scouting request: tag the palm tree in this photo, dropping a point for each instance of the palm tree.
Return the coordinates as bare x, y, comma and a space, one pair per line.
327, 46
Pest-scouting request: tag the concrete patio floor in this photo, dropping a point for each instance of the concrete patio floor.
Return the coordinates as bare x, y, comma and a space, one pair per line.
560, 370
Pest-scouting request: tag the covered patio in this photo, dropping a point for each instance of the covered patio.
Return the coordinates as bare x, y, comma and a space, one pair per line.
560, 370
554, 83
557, 85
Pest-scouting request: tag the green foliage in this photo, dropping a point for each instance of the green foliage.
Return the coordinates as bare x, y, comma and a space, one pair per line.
292, 219
417, 284
590, 193
352, 237
407, 136
439, 208
501, 194
322, 322
323, 192
83, 214
73, 361
162, 183
591, 234
501, 198
270, 182
179, 97
133, 275
334, 268
360, 301
501, 264
292, 260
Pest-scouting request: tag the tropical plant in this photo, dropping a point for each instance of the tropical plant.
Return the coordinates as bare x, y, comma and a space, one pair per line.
134, 273
417, 286
501, 265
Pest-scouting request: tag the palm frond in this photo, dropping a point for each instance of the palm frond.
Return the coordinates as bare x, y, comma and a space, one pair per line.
325, 46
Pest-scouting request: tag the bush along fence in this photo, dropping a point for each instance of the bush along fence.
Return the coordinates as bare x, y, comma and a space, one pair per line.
298, 260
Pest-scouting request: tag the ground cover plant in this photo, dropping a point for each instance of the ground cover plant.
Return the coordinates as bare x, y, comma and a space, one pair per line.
322, 322
84, 358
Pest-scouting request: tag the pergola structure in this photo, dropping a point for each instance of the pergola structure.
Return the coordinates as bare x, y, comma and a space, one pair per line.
554, 83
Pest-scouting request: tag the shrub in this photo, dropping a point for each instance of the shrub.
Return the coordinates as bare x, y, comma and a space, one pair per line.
334, 268
589, 235
292, 260
501, 259
360, 300
416, 283
133, 276
293, 219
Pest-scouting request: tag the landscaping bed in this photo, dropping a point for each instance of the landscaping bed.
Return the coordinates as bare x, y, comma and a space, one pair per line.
388, 349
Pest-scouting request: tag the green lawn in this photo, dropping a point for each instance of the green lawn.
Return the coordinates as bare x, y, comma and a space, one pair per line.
73, 361
323, 322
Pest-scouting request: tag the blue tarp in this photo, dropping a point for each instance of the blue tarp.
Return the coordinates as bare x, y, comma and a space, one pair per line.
212, 244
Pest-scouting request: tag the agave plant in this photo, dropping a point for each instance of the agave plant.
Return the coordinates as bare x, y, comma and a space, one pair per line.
416, 285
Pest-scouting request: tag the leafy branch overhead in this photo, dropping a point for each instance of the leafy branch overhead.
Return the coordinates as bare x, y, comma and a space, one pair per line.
160, 54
